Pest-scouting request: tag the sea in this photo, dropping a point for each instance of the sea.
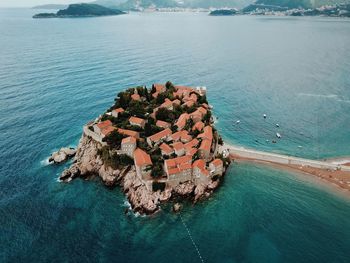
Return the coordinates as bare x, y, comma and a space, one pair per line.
58, 74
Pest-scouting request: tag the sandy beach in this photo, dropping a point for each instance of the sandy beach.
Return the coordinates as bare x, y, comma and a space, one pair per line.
340, 180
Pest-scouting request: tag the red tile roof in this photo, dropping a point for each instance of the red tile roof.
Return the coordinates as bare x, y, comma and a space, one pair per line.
166, 104
104, 124
135, 97
136, 120
166, 149
217, 162
198, 126
163, 124
207, 133
129, 140
200, 164
129, 133
141, 158
181, 122
119, 110
108, 130
205, 145
159, 87
171, 163
164, 133
178, 146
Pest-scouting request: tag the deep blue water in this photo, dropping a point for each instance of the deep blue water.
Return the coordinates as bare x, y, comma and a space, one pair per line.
57, 74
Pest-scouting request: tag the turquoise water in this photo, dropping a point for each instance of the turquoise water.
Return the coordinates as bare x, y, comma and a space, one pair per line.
55, 75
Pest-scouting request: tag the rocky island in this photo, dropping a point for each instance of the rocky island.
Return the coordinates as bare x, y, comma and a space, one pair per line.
81, 10
158, 144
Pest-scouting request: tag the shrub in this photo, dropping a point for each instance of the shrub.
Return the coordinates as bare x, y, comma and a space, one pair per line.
158, 186
114, 139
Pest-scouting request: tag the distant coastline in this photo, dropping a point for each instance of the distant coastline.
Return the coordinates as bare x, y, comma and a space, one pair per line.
81, 10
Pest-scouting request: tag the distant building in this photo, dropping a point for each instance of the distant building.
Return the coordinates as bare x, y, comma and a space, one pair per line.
198, 126
116, 112
137, 121
128, 146
158, 137
159, 87
168, 104
143, 164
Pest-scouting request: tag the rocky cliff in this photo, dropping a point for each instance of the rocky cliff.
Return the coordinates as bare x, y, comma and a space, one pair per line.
87, 163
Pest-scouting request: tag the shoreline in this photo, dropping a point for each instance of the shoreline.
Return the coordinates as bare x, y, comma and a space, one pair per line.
337, 180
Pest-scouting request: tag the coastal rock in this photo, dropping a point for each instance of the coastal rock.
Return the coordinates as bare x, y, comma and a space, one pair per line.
184, 189
198, 192
165, 195
177, 207
108, 175
213, 185
70, 174
62, 155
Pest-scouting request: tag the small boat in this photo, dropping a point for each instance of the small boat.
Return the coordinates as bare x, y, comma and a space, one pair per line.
267, 140
300, 146
265, 116
273, 141
238, 122
277, 125
278, 135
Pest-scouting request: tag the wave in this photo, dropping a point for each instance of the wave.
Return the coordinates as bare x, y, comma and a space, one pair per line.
326, 96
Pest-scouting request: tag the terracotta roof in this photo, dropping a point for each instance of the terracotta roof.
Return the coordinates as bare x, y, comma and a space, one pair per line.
163, 124
166, 148
185, 137
189, 103
178, 146
160, 135
202, 110
173, 171
181, 122
136, 120
176, 136
177, 161
107, 130
185, 166
104, 124
155, 95
204, 105
176, 102
200, 164
191, 152
135, 97
119, 110
141, 158
166, 104
159, 87
207, 133
217, 162
129, 133
192, 143
198, 126
205, 145
129, 140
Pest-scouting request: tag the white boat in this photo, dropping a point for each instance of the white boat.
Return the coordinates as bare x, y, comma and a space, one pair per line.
265, 116
278, 135
277, 125
238, 122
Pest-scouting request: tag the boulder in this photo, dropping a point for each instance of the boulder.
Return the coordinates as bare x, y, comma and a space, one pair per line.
177, 207
62, 155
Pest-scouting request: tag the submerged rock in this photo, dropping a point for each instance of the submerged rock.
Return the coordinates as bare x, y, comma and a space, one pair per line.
177, 207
